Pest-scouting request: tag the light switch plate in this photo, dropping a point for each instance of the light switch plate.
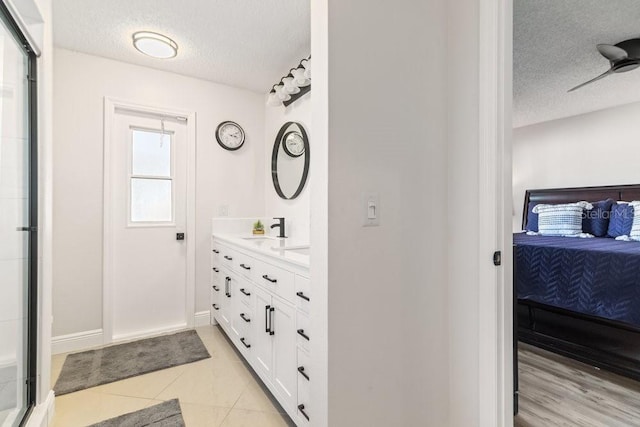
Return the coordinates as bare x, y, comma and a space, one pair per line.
223, 210
371, 209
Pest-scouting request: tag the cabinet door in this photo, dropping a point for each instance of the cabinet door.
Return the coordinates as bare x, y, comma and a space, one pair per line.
263, 348
285, 371
224, 317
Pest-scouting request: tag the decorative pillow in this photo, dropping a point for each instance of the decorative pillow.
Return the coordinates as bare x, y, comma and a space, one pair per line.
596, 221
561, 220
532, 219
635, 226
621, 220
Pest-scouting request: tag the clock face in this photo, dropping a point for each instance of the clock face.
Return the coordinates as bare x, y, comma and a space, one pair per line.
230, 135
293, 144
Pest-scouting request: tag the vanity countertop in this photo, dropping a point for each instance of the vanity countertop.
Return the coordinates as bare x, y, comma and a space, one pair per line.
284, 249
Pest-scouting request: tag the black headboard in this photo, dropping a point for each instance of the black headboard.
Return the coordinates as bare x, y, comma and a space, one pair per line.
552, 196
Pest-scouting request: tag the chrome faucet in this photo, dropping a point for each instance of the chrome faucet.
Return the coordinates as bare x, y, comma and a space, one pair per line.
280, 226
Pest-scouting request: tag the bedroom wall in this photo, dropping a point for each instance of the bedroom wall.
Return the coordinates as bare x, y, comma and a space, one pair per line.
80, 83
296, 212
599, 148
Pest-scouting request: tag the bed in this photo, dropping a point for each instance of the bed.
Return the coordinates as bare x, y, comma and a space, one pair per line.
580, 297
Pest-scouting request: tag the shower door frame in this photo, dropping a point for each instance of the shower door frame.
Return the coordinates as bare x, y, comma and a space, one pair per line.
32, 226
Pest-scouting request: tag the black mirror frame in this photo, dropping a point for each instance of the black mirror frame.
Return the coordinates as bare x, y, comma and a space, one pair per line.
274, 160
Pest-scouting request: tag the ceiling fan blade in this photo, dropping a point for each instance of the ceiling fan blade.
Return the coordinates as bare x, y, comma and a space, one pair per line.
612, 53
601, 76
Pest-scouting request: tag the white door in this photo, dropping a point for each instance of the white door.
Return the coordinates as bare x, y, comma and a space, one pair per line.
148, 195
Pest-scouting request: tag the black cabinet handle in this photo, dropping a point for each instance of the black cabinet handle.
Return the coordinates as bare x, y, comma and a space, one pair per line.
265, 277
271, 330
215, 288
244, 318
301, 409
246, 267
266, 319
216, 270
215, 306
228, 258
303, 296
303, 335
244, 343
245, 292
303, 373
215, 251
227, 290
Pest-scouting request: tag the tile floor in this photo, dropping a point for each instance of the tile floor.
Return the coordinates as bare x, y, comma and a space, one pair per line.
216, 392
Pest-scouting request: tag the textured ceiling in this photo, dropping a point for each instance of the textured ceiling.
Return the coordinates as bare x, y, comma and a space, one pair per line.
555, 50
243, 43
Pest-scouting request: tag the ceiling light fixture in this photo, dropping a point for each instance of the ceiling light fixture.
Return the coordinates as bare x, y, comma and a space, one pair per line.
155, 45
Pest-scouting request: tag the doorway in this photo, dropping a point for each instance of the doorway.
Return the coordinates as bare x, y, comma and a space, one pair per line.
149, 256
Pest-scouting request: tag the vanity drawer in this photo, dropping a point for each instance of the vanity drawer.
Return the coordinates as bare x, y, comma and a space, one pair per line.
216, 274
227, 256
303, 403
216, 292
304, 367
216, 295
302, 330
303, 294
245, 292
245, 265
276, 280
215, 253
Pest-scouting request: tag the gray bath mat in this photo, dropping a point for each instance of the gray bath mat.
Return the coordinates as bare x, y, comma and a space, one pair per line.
118, 362
166, 414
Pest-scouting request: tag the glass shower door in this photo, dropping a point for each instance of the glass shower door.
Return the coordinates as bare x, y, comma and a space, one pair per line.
16, 221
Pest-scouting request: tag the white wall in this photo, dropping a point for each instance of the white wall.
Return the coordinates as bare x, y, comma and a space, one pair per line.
296, 212
599, 148
463, 240
45, 242
382, 99
228, 178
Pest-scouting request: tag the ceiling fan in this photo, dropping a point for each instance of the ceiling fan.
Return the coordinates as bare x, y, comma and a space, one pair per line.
623, 56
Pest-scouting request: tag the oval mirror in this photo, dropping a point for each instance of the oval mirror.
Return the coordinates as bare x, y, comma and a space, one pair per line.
290, 160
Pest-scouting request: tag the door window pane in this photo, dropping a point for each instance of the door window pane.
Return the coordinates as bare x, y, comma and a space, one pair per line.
151, 153
151, 200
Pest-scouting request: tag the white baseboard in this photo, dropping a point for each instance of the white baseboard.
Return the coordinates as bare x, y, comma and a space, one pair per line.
202, 318
42, 415
95, 338
5, 363
77, 341
148, 333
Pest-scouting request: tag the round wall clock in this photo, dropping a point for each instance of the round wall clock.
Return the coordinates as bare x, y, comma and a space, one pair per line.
293, 144
230, 135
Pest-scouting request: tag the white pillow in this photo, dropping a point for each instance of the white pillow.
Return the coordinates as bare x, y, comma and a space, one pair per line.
561, 220
635, 228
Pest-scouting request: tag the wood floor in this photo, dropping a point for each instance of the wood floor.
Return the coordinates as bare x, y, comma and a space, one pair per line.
557, 391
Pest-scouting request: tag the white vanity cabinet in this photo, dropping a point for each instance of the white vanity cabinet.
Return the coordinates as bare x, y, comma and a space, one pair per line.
261, 300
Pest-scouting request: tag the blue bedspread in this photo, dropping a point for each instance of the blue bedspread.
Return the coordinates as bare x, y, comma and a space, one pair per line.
599, 276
